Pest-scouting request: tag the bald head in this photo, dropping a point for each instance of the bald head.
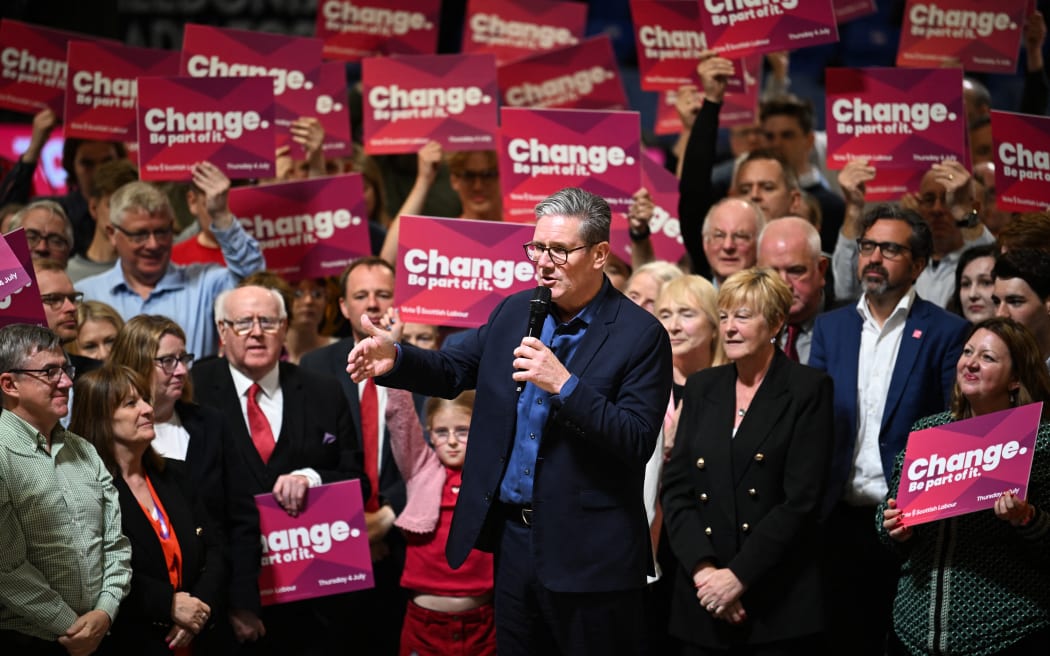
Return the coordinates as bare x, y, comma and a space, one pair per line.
791, 247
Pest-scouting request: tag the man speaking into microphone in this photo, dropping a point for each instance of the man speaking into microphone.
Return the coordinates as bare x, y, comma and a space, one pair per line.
553, 476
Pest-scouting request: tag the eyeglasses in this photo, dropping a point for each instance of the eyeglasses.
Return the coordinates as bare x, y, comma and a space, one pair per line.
558, 254
738, 238
162, 235
51, 374
243, 326
55, 301
442, 435
470, 177
889, 249
169, 363
54, 240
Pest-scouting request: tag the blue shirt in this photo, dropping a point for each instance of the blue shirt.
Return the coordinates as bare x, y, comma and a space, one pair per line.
535, 405
186, 293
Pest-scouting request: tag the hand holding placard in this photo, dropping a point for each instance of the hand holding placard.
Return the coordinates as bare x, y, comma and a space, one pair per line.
714, 72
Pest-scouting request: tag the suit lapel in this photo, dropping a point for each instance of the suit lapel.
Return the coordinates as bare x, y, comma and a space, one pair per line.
226, 395
915, 329
293, 418
769, 404
135, 524
845, 373
192, 423
721, 399
596, 335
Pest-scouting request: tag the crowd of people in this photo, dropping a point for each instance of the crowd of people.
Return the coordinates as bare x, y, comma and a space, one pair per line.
691, 457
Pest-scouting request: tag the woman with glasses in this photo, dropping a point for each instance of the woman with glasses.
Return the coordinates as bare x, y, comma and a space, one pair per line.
176, 559
155, 348
450, 611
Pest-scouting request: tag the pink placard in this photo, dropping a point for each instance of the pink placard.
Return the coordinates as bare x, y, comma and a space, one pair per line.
891, 184
964, 466
736, 29
33, 66
512, 29
21, 305
1022, 161
584, 76
409, 101
102, 87
355, 29
847, 10
972, 33
667, 120
227, 121
453, 272
664, 226
293, 63
669, 40
307, 228
13, 276
322, 551
896, 118
544, 150
328, 104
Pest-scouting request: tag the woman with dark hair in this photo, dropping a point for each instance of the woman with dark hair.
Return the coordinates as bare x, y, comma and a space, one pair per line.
176, 562
154, 347
974, 284
979, 584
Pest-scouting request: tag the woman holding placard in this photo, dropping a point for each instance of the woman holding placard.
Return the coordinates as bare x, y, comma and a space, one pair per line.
980, 583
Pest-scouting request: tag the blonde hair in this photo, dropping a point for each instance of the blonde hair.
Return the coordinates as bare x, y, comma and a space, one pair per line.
759, 288
698, 293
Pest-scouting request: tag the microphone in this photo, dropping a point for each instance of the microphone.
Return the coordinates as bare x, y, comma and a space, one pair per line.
539, 306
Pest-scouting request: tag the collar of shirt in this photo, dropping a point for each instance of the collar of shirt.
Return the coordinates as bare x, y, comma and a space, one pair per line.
173, 278
901, 310
269, 383
22, 437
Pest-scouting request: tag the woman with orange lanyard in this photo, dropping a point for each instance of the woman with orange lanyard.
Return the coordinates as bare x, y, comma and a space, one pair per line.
173, 594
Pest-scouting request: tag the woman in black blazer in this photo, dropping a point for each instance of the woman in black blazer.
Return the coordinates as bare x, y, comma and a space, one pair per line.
176, 562
742, 488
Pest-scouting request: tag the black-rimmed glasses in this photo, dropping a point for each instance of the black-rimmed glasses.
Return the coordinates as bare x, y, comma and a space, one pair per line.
55, 301
890, 250
169, 363
51, 374
557, 254
161, 235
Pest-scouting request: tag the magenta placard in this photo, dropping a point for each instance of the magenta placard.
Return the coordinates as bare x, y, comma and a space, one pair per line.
973, 34
227, 121
896, 118
1022, 161
737, 29
355, 29
584, 76
847, 10
544, 150
13, 275
24, 304
669, 40
512, 29
102, 87
409, 101
33, 66
306, 228
976, 34
965, 466
322, 551
664, 226
293, 63
667, 120
453, 272
891, 184
327, 103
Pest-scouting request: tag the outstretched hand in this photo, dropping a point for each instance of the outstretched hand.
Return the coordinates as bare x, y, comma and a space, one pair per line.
373, 356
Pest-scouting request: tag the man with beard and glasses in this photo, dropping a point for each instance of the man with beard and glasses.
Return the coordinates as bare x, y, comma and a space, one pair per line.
892, 357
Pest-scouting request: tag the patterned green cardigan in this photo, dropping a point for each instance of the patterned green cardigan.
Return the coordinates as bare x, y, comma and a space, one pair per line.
974, 584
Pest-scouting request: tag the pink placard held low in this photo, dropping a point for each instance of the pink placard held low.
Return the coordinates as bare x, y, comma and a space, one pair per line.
323, 551
896, 118
1022, 161
965, 466
409, 101
453, 272
102, 87
737, 28
976, 34
307, 228
355, 29
226, 121
544, 150
512, 29
20, 304
584, 76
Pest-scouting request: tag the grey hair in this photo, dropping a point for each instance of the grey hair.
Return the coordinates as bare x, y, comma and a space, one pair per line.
21, 341
760, 216
141, 196
592, 211
662, 270
813, 244
220, 302
51, 206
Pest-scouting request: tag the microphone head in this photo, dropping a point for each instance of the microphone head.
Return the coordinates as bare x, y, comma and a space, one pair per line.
541, 299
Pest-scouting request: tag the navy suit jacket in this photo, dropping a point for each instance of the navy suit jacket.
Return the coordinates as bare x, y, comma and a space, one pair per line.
589, 529
921, 384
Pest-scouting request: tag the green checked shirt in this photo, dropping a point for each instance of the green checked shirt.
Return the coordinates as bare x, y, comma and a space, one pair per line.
61, 550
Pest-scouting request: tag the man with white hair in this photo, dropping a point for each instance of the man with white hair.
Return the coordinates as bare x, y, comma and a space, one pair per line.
730, 232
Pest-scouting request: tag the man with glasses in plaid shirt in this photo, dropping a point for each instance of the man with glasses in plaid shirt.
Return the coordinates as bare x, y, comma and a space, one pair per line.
145, 281
64, 564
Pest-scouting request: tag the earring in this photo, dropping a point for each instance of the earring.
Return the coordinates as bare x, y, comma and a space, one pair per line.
1014, 394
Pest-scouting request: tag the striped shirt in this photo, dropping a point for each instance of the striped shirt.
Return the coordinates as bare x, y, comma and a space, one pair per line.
61, 550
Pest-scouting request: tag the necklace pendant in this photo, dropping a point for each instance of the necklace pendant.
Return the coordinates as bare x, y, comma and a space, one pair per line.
741, 411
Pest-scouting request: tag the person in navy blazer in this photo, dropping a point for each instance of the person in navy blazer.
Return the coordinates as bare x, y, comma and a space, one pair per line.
895, 246
561, 503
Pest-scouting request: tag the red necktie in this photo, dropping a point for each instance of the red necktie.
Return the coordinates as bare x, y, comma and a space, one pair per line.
259, 425
370, 441
790, 349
